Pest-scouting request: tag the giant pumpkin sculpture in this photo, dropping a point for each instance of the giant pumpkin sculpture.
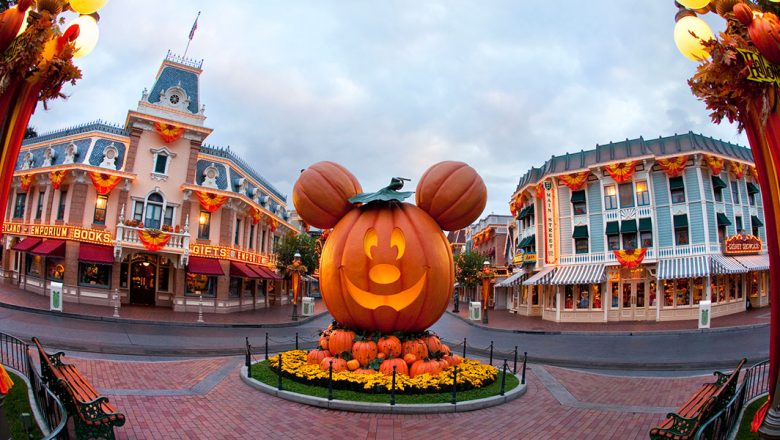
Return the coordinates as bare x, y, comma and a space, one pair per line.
387, 265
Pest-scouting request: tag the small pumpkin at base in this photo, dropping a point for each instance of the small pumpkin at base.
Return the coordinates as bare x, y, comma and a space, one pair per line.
424, 366
353, 364
364, 351
316, 356
389, 346
455, 360
416, 347
338, 364
433, 343
400, 367
323, 342
410, 358
380, 356
340, 341
364, 371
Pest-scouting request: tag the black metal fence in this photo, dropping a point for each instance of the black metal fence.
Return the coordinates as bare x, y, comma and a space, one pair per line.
15, 353
720, 426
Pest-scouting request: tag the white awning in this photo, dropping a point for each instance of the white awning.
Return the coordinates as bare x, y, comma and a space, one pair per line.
754, 262
723, 265
579, 274
683, 267
512, 280
543, 277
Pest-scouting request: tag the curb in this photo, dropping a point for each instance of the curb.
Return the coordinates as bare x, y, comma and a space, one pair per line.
163, 323
608, 332
386, 408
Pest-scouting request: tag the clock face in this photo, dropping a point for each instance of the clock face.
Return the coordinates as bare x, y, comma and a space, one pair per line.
174, 99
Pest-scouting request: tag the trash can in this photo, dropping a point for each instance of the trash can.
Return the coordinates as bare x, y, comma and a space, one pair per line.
705, 309
475, 311
308, 306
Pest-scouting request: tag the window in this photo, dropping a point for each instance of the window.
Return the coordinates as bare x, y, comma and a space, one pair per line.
718, 193
756, 231
21, 198
234, 289
34, 265
55, 269
201, 284
613, 242
681, 230
721, 234
626, 191
138, 211
735, 192
161, 163
568, 297
238, 232
581, 245
95, 275
717, 188
646, 238
99, 216
629, 241
154, 210
579, 206
39, 208
752, 190
61, 206
251, 236
168, 218
642, 194
738, 221
123, 274
204, 224
164, 276
677, 189
610, 197
262, 241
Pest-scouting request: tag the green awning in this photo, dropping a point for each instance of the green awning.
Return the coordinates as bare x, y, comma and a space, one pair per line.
718, 183
613, 228
580, 232
628, 226
755, 221
676, 183
523, 242
523, 212
723, 220
578, 196
752, 188
680, 221
646, 224
531, 240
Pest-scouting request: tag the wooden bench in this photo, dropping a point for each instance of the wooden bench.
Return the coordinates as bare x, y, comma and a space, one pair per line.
94, 416
708, 400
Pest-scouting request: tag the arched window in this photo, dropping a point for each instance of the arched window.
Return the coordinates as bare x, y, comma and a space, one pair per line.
154, 210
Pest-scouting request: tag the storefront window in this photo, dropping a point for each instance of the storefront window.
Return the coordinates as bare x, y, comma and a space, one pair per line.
626, 295
733, 282
201, 285
34, 265
615, 294
642, 195
682, 288
95, 275
583, 296
753, 277
626, 195
653, 287
524, 295
610, 197
640, 294
55, 269
164, 276
698, 290
596, 296
234, 291
668, 293
249, 286
568, 296
534, 295
123, 269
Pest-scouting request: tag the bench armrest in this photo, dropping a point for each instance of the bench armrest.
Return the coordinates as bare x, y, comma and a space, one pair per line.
56, 359
92, 411
721, 378
681, 425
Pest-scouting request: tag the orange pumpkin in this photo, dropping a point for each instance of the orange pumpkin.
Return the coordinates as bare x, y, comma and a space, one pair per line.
446, 349
364, 371
425, 366
387, 267
416, 347
410, 358
433, 343
316, 356
340, 341
364, 352
452, 193
321, 192
764, 31
338, 364
353, 364
400, 367
390, 346
455, 360
324, 342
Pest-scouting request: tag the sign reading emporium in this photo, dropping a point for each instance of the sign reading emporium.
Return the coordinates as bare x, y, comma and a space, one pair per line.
742, 244
62, 232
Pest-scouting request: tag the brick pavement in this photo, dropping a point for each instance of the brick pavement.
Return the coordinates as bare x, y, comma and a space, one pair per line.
232, 410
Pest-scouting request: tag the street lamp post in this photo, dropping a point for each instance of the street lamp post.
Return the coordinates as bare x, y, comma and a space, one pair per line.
488, 276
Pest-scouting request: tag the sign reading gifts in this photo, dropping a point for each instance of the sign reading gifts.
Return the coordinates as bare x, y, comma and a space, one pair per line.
228, 253
742, 244
63, 232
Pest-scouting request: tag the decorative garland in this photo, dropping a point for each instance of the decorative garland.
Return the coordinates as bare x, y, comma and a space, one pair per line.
168, 132
272, 224
26, 181
153, 239
256, 215
621, 172
673, 167
104, 183
57, 177
738, 169
210, 201
631, 259
715, 163
575, 181
753, 171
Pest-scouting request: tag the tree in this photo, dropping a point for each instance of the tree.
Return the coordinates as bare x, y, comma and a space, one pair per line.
467, 266
302, 243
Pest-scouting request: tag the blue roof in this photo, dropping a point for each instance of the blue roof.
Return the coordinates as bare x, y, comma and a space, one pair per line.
243, 166
98, 125
171, 76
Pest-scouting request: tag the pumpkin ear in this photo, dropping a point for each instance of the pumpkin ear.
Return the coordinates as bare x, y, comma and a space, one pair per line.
321, 194
452, 193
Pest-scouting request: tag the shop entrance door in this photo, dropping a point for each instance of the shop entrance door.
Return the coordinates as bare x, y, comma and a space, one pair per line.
143, 277
634, 301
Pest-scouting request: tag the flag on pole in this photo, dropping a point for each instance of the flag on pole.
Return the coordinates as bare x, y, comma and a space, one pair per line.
194, 26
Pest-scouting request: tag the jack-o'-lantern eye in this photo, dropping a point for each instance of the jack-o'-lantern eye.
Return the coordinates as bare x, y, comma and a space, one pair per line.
371, 240
398, 241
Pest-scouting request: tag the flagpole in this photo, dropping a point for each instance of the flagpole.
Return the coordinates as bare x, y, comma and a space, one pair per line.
192, 34
186, 49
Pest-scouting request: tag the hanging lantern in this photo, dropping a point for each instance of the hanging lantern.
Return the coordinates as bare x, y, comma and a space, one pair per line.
694, 4
689, 45
87, 6
88, 35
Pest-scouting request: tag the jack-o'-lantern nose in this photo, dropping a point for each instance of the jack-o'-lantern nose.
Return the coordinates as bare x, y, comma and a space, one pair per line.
384, 274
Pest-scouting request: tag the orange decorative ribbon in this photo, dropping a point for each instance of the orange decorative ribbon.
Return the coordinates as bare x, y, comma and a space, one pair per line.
257, 215
273, 224
715, 164
738, 169
753, 171
5, 381
153, 239
57, 177
26, 181
621, 172
210, 201
575, 181
104, 183
168, 132
673, 167
513, 208
630, 259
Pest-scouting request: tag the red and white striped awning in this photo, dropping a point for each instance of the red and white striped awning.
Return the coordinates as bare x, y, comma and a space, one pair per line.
579, 274
723, 265
683, 267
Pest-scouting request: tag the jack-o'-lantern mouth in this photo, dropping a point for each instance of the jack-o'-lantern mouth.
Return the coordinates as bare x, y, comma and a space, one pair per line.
396, 301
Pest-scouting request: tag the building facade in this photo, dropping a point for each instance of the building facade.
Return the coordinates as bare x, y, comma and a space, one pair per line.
146, 212
639, 230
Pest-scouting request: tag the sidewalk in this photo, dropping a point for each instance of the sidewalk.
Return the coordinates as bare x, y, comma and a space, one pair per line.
504, 320
278, 315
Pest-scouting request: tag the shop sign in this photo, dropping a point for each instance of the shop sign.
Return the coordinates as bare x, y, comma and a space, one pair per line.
63, 232
228, 253
550, 226
742, 244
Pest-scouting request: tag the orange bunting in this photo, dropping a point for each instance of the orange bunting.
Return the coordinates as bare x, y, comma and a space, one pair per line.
513, 208
153, 239
273, 224
104, 183
257, 215
168, 132
210, 201
57, 177
753, 171
621, 172
26, 181
673, 167
5, 381
630, 259
575, 181
715, 164
738, 169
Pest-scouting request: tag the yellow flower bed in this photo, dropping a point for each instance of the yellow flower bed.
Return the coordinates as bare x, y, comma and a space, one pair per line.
471, 374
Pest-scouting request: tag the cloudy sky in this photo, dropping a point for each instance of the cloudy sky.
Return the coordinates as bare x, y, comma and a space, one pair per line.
390, 88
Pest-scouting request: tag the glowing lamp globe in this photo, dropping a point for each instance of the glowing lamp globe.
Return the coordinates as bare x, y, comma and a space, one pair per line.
689, 45
87, 6
694, 4
88, 35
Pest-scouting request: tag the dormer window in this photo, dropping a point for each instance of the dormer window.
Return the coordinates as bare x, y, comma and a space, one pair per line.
175, 97
162, 159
